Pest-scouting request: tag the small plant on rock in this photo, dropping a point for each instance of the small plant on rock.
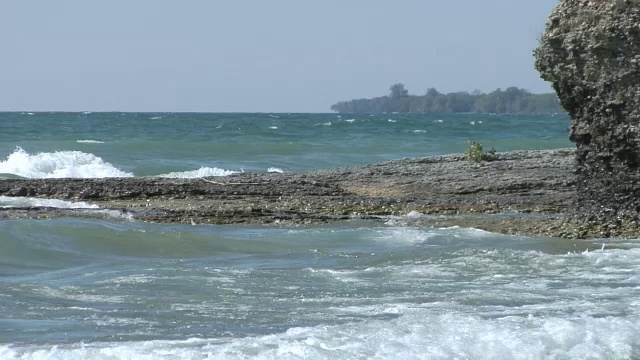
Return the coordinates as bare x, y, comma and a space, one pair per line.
475, 152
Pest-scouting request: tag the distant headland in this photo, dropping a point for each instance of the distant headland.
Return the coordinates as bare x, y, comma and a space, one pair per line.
512, 100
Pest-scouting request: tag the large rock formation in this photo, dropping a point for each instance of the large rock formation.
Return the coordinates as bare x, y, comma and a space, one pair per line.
590, 51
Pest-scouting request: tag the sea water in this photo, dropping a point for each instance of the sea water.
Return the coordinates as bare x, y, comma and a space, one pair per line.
107, 287
48, 145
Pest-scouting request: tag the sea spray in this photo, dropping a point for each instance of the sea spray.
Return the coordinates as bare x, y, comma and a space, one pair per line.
25, 202
201, 172
59, 164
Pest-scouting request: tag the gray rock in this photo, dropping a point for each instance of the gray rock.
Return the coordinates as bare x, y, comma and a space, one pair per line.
590, 51
522, 182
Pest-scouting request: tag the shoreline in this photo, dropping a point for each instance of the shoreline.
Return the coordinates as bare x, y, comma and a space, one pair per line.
514, 184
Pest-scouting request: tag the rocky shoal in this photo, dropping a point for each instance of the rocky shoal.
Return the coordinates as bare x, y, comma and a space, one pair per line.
520, 192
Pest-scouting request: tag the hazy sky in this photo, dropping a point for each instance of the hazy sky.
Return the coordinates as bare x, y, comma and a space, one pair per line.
258, 55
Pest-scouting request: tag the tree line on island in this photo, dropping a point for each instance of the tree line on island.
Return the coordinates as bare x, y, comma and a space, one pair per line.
512, 100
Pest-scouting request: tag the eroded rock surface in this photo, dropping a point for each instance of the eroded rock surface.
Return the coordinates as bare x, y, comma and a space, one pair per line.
590, 51
452, 190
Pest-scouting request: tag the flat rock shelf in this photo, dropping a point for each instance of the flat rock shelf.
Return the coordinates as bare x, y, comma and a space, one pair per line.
520, 192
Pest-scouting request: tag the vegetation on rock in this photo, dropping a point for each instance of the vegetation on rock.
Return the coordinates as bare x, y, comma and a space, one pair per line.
475, 152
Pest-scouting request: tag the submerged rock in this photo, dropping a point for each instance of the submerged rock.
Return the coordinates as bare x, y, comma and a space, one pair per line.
590, 52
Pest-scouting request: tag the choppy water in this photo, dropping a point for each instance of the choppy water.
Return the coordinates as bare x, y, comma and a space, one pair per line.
86, 288
191, 145
110, 288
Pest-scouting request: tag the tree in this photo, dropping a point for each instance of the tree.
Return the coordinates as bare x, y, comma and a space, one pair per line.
509, 101
398, 91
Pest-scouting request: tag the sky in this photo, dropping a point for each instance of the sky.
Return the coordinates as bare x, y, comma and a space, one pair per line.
258, 55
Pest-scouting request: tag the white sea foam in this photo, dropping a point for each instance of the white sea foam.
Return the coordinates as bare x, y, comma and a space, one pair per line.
202, 172
114, 214
59, 164
273, 127
404, 236
414, 334
414, 214
392, 121
156, 117
90, 142
75, 293
12, 202
419, 131
275, 170
350, 120
86, 209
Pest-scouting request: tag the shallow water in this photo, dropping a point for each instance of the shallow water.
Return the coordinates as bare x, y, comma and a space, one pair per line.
88, 289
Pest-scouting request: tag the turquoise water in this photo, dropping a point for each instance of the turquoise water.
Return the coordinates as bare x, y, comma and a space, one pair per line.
112, 288
157, 144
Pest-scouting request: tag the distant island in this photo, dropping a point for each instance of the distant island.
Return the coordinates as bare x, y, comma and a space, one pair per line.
509, 101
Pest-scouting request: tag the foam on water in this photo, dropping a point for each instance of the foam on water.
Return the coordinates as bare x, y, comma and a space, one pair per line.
89, 141
59, 164
22, 202
202, 172
414, 333
481, 300
275, 170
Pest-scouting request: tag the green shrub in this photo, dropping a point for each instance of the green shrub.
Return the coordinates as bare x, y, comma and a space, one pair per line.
475, 152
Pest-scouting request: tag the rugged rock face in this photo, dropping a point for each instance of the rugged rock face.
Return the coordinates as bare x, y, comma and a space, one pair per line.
590, 51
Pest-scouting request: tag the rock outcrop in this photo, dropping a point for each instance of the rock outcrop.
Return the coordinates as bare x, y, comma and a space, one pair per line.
590, 52
513, 193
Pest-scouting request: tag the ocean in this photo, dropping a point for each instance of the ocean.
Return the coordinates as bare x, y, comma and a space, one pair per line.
109, 287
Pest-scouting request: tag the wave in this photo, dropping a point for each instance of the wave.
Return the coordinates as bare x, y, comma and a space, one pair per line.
59, 164
202, 172
22, 202
418, 334
275, 170
89, 142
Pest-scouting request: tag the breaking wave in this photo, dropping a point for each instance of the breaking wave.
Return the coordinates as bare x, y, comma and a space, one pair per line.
202, 172
59, 164
21, 202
